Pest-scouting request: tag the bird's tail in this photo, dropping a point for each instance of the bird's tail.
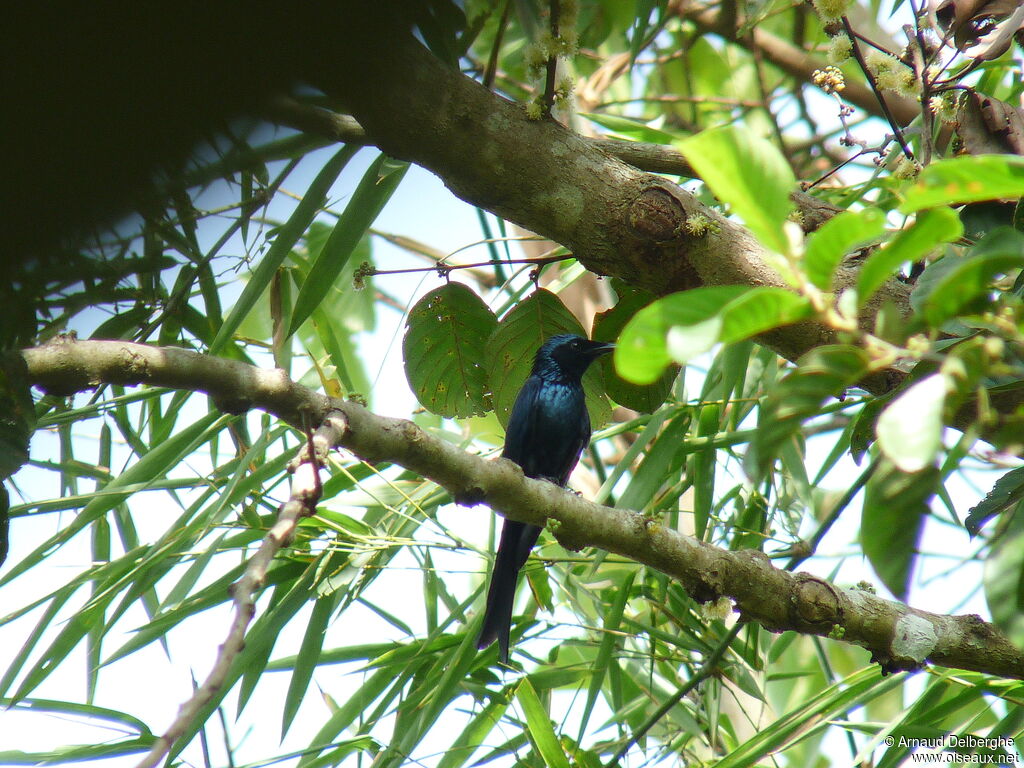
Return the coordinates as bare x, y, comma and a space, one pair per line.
517, 539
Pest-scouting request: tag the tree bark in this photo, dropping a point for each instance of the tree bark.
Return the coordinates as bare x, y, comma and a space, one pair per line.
899, 637
616, 219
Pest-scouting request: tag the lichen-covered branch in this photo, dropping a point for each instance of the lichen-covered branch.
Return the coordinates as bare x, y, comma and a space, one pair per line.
898, 637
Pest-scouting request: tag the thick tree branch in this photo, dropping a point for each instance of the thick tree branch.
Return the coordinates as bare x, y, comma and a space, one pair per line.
616, 219
644, 156
898, 637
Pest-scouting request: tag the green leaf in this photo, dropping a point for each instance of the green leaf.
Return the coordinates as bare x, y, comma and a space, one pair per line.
286, 238
971, 277
837, 237
608, 326
931, 228
910, 428
895, 507
821, 373
445, 345
1007, 491
702, 469
641, 355
965, 179
538, 727
636, 130
1004, 581
514, 342
373, 192
750, 174
309, 656
683, 325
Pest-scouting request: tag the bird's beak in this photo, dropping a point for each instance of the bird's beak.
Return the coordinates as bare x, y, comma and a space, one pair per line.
598, 348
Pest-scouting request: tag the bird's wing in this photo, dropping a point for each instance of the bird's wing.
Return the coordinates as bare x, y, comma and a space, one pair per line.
521, 433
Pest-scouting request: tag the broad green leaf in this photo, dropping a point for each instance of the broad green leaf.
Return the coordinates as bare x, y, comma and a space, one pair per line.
373, 192
1004, 581
641, 354
965, 179
538, 727
1007, 491
607, 327
825, 248
683, 325
895, 507
287, 236
970, 278
910, 428
931, 228
514, 342
445, 345
761, 309
749, 174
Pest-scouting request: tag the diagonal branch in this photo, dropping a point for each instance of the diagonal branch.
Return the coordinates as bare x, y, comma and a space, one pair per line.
899, 637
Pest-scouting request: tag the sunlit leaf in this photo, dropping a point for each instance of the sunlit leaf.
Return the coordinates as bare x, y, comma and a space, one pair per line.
965, 179
836, 238
910, 428
684, 325
445, 345
538, 726
749, 174
931, 228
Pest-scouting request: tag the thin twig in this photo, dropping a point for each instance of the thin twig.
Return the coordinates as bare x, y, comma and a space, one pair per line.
306, 492
492, 62
857, 54
444, 269
552, 65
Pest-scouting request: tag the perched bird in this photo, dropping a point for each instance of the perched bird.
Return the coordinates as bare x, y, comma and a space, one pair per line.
547, 431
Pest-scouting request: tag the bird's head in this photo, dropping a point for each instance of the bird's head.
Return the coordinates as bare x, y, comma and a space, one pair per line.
568, 355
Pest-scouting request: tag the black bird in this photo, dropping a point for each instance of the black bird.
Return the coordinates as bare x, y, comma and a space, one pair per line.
547, 431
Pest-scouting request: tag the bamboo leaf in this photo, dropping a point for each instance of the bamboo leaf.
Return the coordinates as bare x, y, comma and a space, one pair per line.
287, 237
372, 194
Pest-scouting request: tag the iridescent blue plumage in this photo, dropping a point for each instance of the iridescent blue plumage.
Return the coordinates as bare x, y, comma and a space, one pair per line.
547, 431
